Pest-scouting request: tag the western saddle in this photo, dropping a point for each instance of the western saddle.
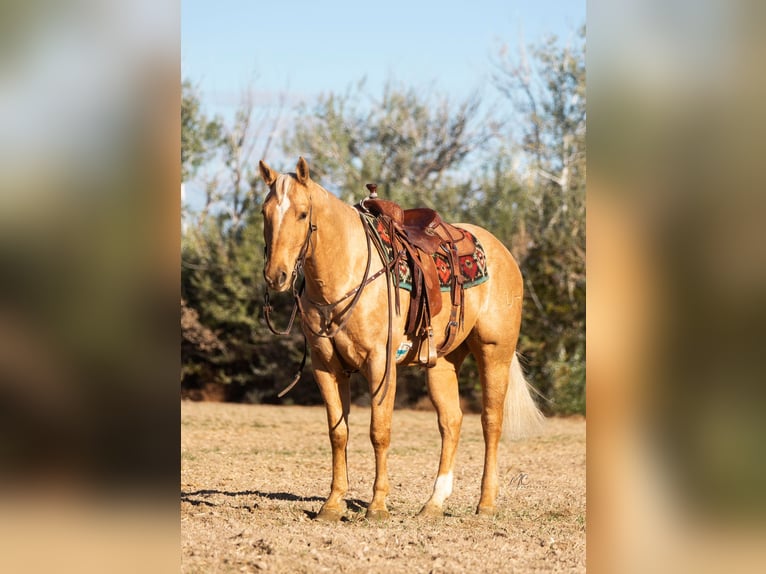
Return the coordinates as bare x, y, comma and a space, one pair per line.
419, 234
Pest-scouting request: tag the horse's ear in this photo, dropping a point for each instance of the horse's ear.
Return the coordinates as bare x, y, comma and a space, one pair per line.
268, 174
302, 171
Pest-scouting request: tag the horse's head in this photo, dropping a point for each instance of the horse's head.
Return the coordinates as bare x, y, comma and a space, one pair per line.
287, 222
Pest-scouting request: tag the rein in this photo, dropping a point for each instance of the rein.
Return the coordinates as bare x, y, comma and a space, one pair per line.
325, 309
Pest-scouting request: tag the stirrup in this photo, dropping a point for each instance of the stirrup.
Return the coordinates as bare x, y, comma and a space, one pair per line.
427, 344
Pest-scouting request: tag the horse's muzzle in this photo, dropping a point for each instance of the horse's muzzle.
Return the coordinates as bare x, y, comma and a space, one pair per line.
277, 280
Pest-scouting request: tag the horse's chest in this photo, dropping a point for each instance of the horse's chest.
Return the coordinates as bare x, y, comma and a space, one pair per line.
364, 336
352, 352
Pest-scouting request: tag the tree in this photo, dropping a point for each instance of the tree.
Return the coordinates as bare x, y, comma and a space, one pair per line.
411, 145
199, 135
548, 94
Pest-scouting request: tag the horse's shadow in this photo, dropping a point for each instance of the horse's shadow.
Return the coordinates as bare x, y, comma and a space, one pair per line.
198, 498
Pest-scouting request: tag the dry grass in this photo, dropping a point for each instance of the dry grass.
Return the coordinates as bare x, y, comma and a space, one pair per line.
253, 476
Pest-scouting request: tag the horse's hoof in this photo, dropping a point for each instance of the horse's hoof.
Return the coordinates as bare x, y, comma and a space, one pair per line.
329, 515
485, 511
431, 511
377, 514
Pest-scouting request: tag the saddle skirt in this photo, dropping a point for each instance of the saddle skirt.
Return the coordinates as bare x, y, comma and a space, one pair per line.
472, 262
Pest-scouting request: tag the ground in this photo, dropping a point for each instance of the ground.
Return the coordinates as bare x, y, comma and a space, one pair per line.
253, 477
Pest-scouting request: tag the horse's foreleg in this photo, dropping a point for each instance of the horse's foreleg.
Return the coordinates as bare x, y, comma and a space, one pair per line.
334, 387
443, 389
380, 436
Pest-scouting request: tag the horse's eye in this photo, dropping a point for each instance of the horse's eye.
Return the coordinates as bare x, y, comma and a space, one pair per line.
303, 215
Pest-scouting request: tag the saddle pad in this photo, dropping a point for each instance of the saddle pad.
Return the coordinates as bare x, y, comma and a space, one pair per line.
473, 267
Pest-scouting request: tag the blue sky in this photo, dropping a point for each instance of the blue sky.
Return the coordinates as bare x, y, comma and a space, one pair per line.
303, 48
306, 47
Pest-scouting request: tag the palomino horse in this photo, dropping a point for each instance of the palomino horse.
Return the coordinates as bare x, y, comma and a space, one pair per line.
308, 227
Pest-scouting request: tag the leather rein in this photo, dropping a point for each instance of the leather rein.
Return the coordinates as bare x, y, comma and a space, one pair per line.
325, 309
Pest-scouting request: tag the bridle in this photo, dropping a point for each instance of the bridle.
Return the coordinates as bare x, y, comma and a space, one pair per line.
325, 309
300, 261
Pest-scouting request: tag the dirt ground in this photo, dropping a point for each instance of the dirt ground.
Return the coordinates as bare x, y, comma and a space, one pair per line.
253, 477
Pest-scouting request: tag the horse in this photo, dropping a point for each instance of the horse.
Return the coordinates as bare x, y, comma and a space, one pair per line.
309, 229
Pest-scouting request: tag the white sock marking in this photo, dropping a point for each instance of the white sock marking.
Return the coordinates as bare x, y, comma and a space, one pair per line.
442, 488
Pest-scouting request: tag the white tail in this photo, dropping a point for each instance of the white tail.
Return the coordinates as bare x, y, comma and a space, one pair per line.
521, 417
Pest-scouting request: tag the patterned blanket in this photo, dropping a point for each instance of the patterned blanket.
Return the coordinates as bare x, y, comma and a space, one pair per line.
473, 267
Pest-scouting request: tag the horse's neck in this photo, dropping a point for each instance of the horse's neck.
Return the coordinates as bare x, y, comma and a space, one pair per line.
336, 261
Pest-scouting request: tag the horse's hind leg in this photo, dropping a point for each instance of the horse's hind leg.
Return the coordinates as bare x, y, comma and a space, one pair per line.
443, 389
494, 366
